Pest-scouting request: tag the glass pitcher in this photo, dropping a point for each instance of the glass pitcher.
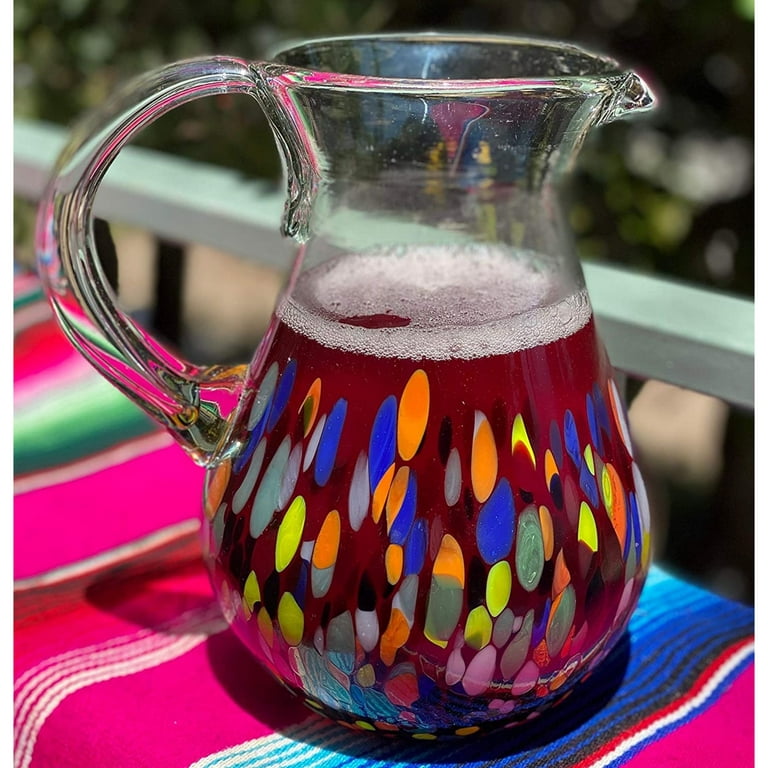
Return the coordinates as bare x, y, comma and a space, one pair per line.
421, 511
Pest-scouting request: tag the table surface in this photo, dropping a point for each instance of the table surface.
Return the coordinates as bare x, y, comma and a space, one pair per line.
123, 659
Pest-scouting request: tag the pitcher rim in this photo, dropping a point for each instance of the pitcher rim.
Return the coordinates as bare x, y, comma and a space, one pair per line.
606, 71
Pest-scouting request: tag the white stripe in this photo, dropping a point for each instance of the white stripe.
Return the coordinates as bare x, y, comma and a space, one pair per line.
125, 648
684, 709
38, 677
335, 735
89, 466
290, 748
175, 624
63, 661
284, 743
56, 693
110, 556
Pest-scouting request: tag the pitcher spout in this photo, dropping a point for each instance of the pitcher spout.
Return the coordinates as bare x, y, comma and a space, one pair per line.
632, 96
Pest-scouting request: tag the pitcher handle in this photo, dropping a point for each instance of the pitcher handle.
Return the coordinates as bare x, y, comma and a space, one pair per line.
193, 403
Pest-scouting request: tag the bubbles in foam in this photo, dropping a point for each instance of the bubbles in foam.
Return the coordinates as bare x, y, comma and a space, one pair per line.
434, 302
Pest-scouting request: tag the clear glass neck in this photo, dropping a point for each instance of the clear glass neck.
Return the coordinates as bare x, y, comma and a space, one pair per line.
438, 138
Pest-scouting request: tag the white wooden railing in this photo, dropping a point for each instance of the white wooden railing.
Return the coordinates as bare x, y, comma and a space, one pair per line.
653, 327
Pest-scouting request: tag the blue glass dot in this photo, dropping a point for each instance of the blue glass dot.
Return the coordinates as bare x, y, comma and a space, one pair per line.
381, 448
571, 438
282, 394
415, 548
637, 533
555, 443
496, 524
603, 418
300, 590
589, 485
329, 442
407, 513
594, 431
426, 686
556, 491
540, 627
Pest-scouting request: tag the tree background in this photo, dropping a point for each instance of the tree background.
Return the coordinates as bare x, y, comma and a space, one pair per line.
672, 194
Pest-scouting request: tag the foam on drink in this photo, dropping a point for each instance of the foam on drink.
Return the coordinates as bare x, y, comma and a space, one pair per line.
434, 302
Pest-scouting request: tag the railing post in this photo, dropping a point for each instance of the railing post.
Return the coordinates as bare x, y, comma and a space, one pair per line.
170, 268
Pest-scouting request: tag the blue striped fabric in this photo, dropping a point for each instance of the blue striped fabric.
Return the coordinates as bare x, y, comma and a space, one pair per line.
675, 634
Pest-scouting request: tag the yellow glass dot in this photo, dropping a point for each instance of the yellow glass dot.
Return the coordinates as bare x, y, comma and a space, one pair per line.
498, 587
251, 591
265, 626
590, 459
520, 437
587, 527
289, 533
607, 489
477, 632
366, 676
290, 618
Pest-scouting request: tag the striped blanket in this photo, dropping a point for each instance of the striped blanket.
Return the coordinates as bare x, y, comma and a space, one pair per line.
122, 658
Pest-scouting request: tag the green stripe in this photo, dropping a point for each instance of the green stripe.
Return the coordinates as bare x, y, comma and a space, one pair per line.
30, 297
73, 423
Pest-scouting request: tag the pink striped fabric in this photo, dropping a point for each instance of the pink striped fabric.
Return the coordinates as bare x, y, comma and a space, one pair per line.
717, 731
122, 659
119, 496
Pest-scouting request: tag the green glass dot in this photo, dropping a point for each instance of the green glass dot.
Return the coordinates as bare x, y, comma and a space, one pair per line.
561, 620
444, 606
516, 653
503, 627
341, 634
529, 552
607, 489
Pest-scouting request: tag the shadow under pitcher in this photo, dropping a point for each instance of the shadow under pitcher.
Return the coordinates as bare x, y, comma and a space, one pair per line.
421, 511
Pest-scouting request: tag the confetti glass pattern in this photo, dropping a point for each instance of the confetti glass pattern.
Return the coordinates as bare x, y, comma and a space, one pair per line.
434, 546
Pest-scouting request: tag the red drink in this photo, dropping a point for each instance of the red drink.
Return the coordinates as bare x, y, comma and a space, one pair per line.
434, 521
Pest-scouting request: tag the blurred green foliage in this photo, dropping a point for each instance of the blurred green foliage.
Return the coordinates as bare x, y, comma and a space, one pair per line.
672, 194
